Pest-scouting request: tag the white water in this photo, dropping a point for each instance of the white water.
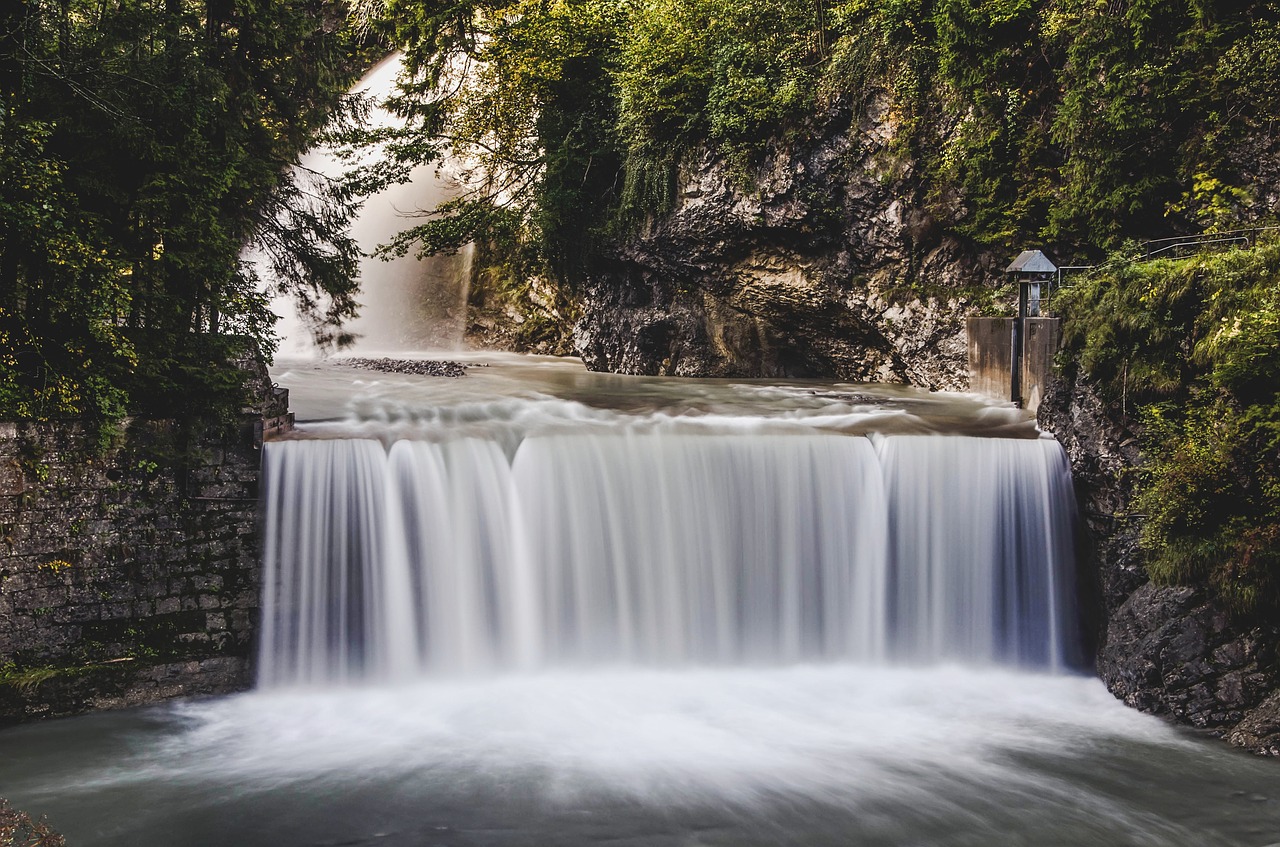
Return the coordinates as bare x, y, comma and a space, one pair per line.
662, 548
805, 755
406, 303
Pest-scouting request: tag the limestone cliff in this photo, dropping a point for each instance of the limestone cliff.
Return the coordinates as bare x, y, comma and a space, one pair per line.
826, 266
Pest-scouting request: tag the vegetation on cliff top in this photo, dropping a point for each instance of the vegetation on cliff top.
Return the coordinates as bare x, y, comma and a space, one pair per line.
1192, 347
1074, 123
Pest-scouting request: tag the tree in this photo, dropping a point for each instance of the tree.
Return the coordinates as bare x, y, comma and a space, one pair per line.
144, 145
573, 114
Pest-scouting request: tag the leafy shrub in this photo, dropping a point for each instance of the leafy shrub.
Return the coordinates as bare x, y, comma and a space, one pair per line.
1194, 346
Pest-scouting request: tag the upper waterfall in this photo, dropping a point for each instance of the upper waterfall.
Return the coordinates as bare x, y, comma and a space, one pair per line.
406, 303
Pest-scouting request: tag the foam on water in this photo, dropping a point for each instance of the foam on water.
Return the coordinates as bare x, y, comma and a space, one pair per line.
724, 733
804, 754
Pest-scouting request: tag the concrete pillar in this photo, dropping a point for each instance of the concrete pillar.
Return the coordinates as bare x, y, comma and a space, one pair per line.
990, 357
990, 351
1041, 337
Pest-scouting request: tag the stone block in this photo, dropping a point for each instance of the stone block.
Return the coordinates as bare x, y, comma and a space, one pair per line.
116, 611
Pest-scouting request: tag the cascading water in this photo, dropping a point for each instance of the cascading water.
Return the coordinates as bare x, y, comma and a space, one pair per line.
662, 548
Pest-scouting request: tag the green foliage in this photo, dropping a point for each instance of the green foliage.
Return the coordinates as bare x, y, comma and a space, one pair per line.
62, 295
1194, 345
735, 74
27, 679
141, 147
1211, 502
522, 92
576, 113
1068, 122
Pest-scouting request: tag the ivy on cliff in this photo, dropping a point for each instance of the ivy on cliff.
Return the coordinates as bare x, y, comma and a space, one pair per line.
1077, 123
1192, 346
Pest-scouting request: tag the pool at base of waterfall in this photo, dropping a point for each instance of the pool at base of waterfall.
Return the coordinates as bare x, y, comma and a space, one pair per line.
802, 755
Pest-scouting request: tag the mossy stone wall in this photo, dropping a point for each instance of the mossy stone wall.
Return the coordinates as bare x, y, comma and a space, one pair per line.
130, 574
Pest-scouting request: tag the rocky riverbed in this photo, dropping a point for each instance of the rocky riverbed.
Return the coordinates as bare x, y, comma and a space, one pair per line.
417, 367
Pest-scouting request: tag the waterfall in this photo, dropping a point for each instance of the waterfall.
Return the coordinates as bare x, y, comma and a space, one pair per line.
662, 548
406, 302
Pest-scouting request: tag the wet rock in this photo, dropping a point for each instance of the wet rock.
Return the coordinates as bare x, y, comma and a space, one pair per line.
1102, 450
1167, 650
1259, 731
1170, 650
417, 367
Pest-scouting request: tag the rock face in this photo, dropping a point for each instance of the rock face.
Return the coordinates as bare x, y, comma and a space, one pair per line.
1166, 650
1172, 651
826, 267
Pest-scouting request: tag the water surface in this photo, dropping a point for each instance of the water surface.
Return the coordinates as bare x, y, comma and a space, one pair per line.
806, 755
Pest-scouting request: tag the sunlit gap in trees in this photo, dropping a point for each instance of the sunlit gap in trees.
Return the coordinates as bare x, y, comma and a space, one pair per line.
407, 302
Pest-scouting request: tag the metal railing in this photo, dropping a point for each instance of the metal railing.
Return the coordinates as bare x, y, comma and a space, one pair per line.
1176, 250
1248, 237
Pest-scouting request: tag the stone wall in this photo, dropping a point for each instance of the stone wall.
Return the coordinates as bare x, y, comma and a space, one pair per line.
129, 574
